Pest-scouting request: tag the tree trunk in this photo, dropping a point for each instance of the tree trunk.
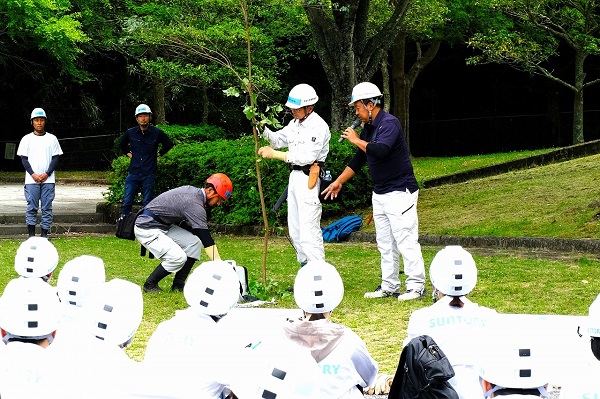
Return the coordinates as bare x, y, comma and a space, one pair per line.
158, 94
403, 81
205, 104
385, 73
578, 101
400, 83
348, 55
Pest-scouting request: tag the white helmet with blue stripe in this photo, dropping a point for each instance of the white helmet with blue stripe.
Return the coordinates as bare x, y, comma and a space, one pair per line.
142, 109
38, 113
301, 95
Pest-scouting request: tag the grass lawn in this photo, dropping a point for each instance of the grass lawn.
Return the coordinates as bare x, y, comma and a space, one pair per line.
559, 200
510, 282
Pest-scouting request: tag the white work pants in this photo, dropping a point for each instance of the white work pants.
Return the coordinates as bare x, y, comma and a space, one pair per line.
397, 232
172, 248
304, 218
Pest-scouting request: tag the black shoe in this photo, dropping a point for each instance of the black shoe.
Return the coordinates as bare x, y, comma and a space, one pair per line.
177, 288
151, 284
152, 288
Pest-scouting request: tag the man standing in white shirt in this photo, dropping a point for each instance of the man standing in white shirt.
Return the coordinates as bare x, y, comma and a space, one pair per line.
307, 139
39, 152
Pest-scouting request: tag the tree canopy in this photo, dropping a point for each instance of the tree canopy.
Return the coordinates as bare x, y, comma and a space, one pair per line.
529, 35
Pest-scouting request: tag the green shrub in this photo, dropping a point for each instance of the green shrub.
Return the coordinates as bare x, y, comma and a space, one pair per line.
190, 134
190, 163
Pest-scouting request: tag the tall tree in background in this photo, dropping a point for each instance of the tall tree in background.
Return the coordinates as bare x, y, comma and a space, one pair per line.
47, 25
423, 27
350, 49
201, 43
527, 35
40, 58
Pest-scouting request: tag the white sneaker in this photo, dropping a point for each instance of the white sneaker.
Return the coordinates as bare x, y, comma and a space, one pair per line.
380, 293
412, 294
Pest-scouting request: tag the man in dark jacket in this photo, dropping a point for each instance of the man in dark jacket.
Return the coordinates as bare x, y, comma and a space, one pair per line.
141, 144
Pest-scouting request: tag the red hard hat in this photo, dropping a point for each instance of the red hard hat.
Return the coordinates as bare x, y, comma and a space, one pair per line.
222, 185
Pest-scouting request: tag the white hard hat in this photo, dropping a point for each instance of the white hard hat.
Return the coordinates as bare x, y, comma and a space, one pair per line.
453, 271
593, 319
282, 371
513, 356
318, 287
364, 91
29, 308
115, 311
142, 109
301, 95
213, 288
38, 113
36, 257
78, 278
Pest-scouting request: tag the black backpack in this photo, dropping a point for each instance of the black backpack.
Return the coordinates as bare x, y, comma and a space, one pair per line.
423, 372
125, 225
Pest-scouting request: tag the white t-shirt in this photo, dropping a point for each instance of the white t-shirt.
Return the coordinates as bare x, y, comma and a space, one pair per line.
458, 333
186, 357
39, 151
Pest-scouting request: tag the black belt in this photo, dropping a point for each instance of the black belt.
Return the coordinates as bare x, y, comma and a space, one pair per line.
304, 168
152, 215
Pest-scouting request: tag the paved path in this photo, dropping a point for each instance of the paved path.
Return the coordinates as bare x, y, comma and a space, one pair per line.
70, 199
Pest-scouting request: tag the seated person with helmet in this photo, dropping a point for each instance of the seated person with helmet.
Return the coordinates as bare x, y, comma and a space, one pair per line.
188, 356
112, 313
454, 322
318, 290
29, 317
513, 362
582, 381
158, 229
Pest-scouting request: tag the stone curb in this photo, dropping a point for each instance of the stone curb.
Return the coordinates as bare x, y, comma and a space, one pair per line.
74, 182
583, 245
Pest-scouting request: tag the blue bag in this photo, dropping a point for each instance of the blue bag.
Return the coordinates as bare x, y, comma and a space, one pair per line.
340, 229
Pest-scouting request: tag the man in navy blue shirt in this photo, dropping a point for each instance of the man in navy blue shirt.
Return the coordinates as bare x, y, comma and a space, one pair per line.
141, 144
381, 145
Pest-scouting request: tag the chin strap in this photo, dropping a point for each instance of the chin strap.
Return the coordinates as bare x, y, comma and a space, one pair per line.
542, 391
306, 115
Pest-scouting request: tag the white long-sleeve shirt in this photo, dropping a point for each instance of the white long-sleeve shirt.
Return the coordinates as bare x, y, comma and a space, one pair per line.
307, 141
